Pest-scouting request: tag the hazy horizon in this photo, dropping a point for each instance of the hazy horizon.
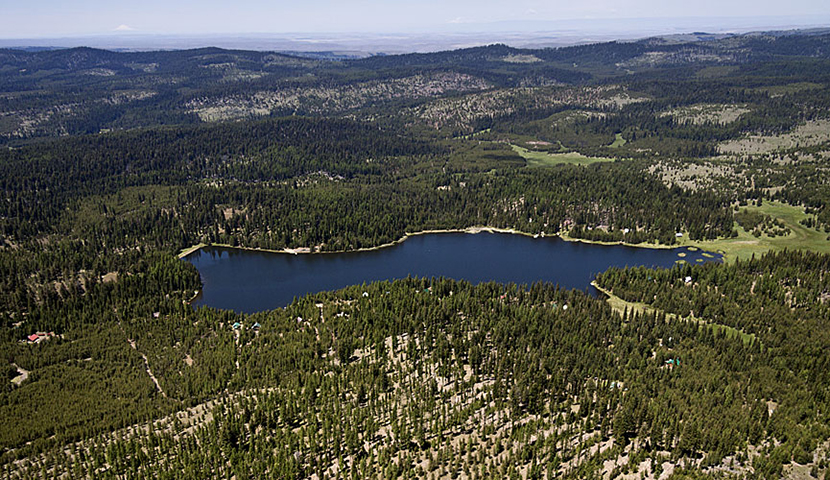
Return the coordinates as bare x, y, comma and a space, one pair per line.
381, 26
53, 19
516, 33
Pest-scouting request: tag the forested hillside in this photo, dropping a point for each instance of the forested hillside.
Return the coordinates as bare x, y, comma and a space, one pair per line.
113, 163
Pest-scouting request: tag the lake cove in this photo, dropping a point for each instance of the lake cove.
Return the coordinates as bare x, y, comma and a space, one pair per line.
252, 281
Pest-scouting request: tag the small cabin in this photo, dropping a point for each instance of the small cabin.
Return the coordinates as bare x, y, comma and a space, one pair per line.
673, 362
256, 326
237, 326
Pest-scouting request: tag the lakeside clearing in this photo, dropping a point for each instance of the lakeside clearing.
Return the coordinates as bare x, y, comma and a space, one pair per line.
745, 244
544, 159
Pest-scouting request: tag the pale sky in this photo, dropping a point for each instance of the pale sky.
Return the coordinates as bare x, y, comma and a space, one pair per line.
50, 18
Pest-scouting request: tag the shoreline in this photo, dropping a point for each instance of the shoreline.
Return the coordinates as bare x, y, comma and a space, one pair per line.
187, 251
307, 250
469, 230
652, 246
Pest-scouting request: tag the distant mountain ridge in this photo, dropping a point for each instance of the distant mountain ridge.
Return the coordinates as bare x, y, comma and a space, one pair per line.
811, 42
86, 90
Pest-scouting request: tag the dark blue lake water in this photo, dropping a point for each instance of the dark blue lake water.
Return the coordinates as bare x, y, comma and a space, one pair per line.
249, 281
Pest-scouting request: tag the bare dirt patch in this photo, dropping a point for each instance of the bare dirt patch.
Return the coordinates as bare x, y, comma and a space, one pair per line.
110, 277
23, 375
707, 113
694, 176
521, 59
814, 132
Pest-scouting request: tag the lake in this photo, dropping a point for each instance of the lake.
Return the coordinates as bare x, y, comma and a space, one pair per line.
251, 281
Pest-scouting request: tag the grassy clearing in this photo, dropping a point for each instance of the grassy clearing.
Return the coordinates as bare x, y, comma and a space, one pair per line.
779, 90
715, 72
474, 134
621, 306
731, 332
543, 159
619, 141
745, 244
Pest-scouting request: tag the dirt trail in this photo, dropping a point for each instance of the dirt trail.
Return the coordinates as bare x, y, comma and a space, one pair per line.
147, 365
237, 334
146, 361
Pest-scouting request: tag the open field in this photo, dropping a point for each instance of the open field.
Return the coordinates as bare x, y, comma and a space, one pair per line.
543, 159
745, 244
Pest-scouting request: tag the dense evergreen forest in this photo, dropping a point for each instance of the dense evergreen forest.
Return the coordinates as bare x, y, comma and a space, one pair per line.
112, 163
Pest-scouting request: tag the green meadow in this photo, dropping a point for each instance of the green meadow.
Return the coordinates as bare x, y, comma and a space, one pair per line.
619, 141
544, 159
745, 244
